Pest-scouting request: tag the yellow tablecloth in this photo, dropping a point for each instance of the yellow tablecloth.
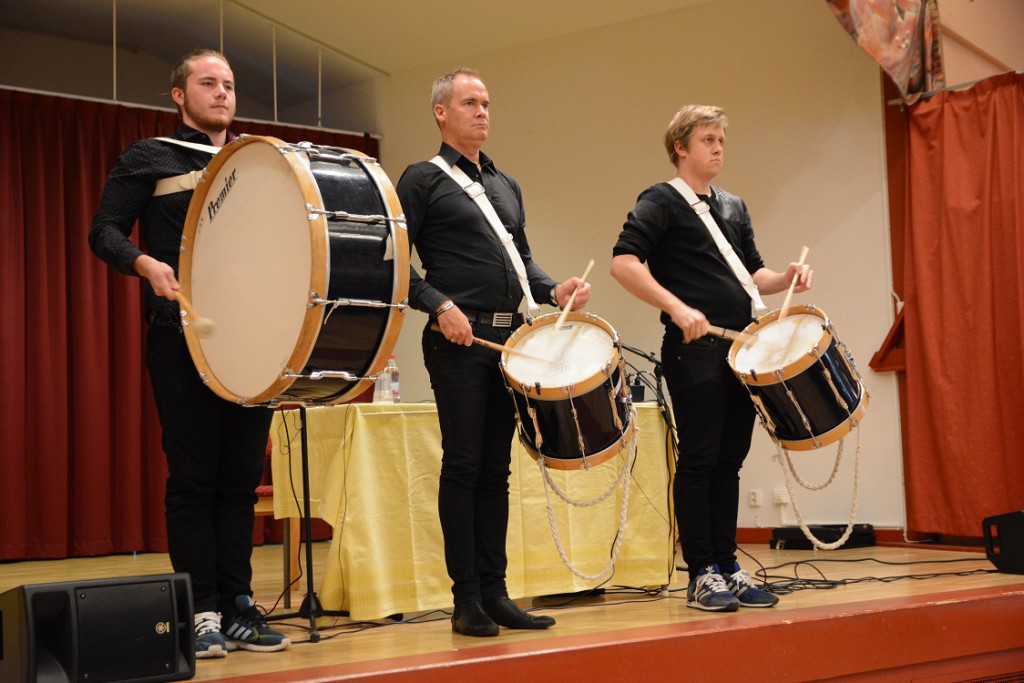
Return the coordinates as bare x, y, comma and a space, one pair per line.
373, 477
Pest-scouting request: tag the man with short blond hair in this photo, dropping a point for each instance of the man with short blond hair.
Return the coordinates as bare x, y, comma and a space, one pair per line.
689, 279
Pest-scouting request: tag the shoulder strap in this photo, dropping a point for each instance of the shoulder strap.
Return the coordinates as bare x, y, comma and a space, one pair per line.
702, 210
185, 181
477, 193
210, 149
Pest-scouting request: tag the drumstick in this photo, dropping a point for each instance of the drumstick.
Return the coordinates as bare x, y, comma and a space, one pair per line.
789, 294
572, 297
785, 305
499, 347
203, 326
731, 335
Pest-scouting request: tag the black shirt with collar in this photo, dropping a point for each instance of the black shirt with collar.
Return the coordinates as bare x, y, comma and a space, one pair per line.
128, 197
663, 230
463, 258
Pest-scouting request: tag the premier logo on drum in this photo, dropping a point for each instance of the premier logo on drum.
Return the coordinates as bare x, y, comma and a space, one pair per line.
214, 206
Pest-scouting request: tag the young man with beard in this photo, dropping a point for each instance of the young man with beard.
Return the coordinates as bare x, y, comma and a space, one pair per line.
215, 449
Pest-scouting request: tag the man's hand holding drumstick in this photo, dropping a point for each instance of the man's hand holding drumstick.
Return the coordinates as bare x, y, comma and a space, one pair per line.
574, 295
454, 325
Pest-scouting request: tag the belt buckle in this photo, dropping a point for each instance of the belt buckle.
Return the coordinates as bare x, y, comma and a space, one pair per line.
502, 320
701, 207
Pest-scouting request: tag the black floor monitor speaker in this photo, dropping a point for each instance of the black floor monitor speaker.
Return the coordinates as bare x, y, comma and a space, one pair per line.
1004, 541
120, 630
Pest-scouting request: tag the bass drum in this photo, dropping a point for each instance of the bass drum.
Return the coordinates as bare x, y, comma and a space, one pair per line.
298, 255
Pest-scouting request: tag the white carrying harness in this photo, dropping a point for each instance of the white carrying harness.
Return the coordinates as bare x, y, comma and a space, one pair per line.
477, 193
703, 211
185, 181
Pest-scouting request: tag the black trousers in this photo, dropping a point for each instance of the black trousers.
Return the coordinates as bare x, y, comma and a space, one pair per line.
477, 420
215, 451
715, 421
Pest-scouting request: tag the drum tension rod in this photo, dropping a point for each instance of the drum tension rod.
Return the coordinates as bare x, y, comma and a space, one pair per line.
365, 303
327, 374
354, 217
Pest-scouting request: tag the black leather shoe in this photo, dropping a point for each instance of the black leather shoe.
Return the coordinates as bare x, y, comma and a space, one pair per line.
470, 619
507, 613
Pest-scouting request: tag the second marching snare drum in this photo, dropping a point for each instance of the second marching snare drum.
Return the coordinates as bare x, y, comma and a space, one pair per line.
801, 377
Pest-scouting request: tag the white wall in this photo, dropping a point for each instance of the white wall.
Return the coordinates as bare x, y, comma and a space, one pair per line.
980, 38
578, 121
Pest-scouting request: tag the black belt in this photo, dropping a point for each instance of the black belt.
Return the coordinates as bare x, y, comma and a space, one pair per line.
492, 318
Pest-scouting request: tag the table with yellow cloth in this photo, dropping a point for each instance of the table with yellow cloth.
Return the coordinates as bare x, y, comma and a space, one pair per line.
374, 471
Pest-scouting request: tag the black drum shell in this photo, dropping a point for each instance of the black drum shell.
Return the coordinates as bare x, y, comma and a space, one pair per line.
560, 437
815, 396
358, 270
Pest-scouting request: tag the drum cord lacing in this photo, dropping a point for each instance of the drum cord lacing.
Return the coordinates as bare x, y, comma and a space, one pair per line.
579, 432
783, 453
796, 404
623, 478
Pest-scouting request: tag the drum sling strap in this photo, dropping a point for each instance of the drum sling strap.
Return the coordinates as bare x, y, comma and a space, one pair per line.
703, 211
185, 181
477, 193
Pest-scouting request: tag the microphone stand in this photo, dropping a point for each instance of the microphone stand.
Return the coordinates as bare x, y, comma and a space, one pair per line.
311, 608
659, 390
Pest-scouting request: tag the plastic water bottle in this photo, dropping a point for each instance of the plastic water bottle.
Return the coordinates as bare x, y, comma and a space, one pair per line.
392, 374
382, 386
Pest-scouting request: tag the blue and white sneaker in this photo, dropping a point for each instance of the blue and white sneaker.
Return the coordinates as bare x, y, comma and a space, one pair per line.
209, 641
248, 630
746, 591
708, 592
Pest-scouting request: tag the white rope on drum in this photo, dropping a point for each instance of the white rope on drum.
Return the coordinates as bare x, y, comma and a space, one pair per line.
623, 478
835, 467
796, 508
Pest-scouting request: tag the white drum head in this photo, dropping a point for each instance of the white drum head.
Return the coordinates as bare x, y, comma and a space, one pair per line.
250, 268
779, 343
559, 357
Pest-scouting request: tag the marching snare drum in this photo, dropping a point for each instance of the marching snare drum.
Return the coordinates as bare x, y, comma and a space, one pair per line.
299, 256
572, 404
801, 377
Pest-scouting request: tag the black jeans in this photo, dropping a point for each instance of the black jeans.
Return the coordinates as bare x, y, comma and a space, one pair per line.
215, 451
715, 420
477, 421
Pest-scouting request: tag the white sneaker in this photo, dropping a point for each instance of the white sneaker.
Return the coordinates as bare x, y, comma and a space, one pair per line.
709, 592
209, 641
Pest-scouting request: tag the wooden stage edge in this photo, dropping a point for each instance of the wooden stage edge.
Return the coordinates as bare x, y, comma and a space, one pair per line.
902, 613
949, 637
968, 631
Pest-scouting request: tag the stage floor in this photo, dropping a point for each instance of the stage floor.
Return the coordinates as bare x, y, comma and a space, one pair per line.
851, 618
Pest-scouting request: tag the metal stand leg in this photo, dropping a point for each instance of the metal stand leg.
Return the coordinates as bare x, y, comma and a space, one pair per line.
310, 608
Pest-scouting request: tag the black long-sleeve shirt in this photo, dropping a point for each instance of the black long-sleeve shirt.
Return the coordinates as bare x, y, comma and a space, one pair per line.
463, 258
663, 230
127, 198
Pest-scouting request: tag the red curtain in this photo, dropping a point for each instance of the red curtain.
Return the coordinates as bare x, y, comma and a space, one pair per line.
81, 470
965, 307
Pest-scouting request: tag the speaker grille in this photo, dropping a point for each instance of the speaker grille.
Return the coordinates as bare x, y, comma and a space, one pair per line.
126, 632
